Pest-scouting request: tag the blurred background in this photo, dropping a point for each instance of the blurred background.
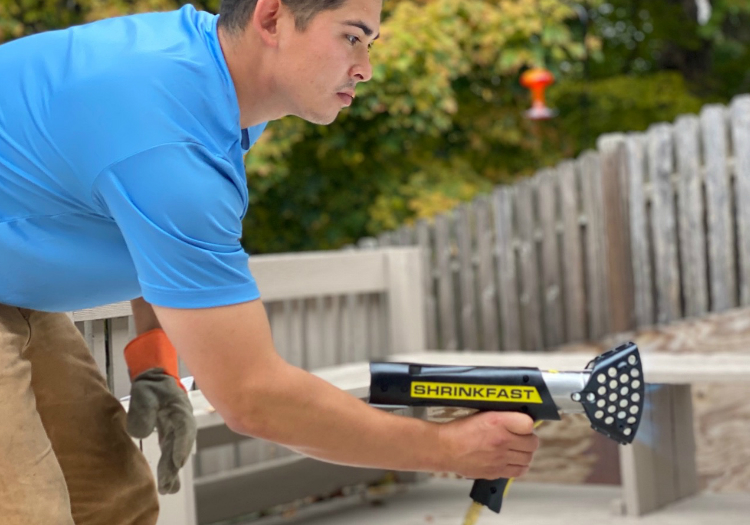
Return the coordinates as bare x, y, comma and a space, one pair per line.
443, 118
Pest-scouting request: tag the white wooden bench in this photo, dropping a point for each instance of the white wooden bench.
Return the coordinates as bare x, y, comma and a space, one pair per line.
658, 469
325, 309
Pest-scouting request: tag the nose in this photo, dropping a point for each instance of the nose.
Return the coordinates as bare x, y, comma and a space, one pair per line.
362, 70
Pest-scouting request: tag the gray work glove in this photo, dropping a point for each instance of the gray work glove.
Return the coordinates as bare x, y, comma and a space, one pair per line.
158, 400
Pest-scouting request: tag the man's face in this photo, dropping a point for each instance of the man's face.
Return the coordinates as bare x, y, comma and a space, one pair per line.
320, 66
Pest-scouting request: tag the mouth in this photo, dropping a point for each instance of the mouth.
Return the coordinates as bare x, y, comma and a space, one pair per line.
346, 98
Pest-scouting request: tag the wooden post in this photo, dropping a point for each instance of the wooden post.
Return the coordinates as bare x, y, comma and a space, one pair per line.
659, 468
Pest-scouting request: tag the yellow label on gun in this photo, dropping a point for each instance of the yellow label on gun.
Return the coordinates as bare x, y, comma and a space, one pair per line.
469, 392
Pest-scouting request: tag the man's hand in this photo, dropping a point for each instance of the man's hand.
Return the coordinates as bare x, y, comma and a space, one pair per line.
489, 445
158, 400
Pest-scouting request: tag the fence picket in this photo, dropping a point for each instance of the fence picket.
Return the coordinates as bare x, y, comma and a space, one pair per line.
502, 204
639, 230
406, 236
595, 245
377, 339
690, 218
119, 337
660, 168
554, 331
359, 306
469, 328
94, 333
740, 118
718, 209
487, 288
572, 262
386, 239
346, 333
278, 321
619, 273
294, 312
428, 288
447, 323
530, 309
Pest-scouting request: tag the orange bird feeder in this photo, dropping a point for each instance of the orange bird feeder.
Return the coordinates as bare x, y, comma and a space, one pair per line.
536, 80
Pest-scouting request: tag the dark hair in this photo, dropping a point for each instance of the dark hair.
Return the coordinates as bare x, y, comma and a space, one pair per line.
235, 14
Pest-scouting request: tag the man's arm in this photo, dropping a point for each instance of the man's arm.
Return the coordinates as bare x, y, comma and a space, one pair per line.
144, 316
230, 351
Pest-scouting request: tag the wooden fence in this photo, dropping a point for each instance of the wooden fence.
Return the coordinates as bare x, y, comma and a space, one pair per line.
649, 228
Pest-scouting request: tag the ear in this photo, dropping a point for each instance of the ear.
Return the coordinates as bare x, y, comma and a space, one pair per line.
265, 20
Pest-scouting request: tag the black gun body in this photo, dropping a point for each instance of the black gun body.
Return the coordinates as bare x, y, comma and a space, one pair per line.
482, 388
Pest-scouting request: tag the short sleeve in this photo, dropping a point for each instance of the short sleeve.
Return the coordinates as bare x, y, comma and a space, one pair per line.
179, 208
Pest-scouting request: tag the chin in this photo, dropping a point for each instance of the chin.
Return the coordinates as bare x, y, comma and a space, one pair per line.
321, 119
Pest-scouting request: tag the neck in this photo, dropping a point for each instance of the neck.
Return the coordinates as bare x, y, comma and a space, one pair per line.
254, 86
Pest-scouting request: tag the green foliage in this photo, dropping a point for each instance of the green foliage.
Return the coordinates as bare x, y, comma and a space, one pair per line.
642, 37
621, 103
25, 17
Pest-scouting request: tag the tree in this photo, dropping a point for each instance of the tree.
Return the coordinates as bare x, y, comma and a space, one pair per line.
441, 120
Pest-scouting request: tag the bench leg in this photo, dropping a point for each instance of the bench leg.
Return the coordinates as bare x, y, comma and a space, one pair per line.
659, 467
173, 508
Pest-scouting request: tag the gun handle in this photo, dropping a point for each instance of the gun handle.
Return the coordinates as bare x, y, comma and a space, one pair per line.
490, 492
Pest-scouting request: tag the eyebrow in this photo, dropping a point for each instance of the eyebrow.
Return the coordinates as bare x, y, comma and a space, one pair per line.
364, 27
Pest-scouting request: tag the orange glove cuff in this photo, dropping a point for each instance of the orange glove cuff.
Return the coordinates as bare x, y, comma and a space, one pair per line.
152, 349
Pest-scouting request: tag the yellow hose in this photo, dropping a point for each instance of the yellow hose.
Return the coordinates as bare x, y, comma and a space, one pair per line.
475, 509
472, 515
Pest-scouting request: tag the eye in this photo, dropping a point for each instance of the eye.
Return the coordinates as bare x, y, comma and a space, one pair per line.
352, 39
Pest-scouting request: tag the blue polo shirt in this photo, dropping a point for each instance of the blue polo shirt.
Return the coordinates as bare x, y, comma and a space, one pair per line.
121, 166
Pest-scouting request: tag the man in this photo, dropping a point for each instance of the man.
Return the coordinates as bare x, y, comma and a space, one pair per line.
122, 177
